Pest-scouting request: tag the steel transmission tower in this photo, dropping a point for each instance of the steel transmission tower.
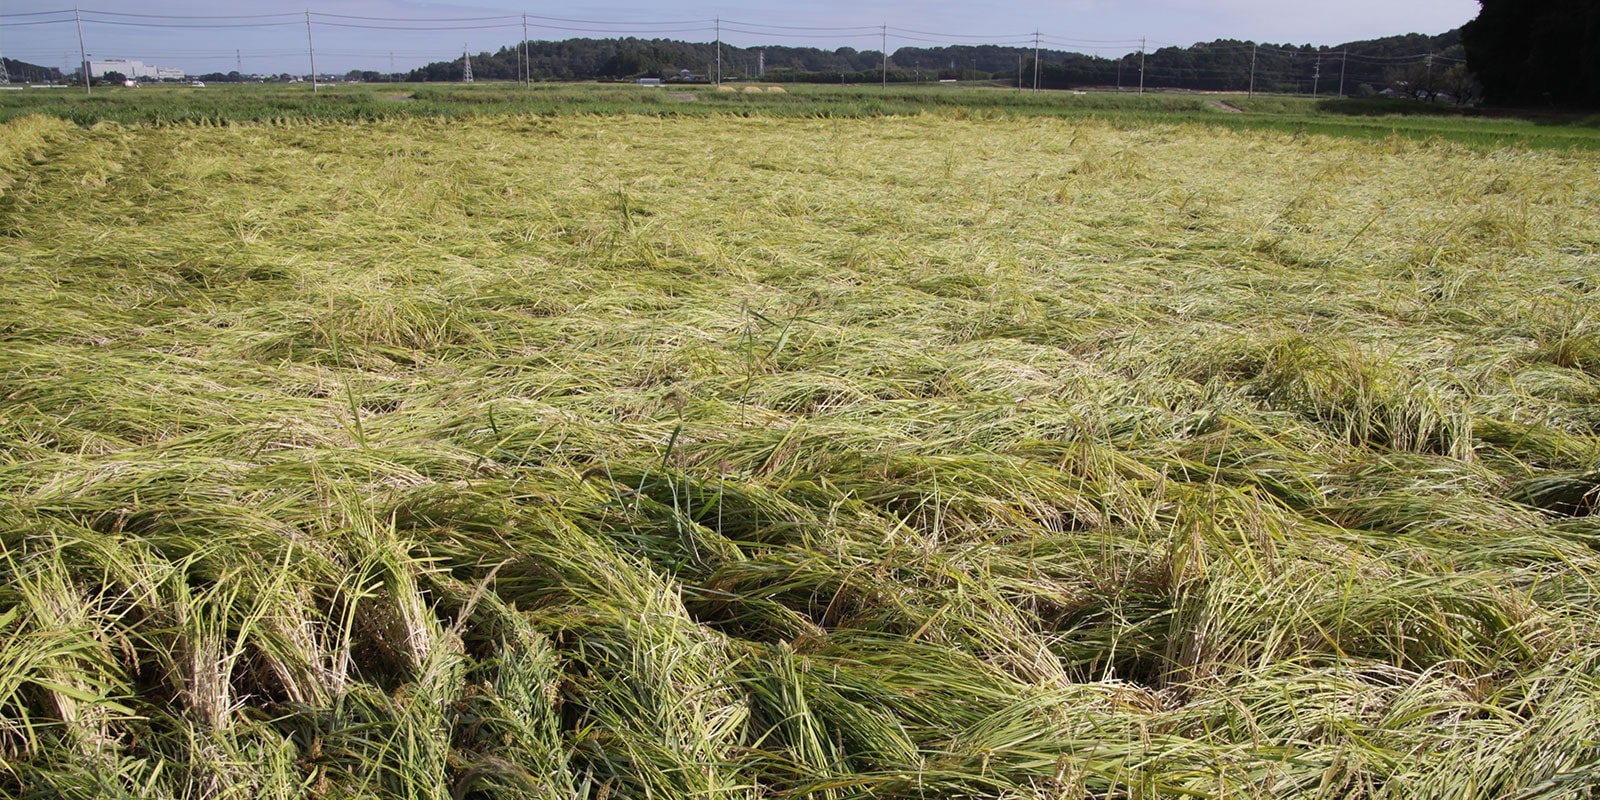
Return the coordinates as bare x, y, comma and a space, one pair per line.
466, 65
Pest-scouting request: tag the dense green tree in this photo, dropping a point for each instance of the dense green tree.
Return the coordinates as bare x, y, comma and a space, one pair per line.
1536, 52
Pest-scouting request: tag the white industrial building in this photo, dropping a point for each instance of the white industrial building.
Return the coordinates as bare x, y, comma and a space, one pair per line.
134, 69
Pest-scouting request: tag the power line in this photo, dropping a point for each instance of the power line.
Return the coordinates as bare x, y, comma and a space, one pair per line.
634, 23
292, 16
418, 27
978, 36
184, 26
870, 28
1307, 70
1018, 43
34, 13
414, 19
1077, 42
863, 35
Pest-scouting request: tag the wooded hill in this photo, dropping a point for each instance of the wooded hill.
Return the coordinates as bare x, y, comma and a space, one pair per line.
23, 72
1222, 65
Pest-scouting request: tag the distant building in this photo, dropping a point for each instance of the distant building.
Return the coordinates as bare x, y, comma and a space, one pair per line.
133, 69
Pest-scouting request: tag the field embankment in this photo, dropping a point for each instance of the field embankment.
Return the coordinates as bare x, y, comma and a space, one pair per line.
587, 456
1374, 120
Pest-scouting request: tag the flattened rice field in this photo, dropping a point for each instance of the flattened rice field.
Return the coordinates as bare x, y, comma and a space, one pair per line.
911, 457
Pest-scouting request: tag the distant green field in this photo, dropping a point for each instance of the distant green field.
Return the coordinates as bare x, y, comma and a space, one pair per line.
166, 104
1005, 447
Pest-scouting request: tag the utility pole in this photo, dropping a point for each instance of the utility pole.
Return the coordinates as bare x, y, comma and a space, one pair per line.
238, 61
1036, 59
1019, 72
1253, 48
5, 77
527, 66
82, 51
1344, 56
761, 63
466, 64
719, 51
883, 32
1141, 65
312, 50
1316, 75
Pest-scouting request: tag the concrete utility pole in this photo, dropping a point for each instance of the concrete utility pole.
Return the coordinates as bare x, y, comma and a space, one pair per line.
5, 77
1141, 65
719, 51
1344, 56
1036, 59
312, 51
883, 32
1253, 48
1316, 75
83, 52
527, 66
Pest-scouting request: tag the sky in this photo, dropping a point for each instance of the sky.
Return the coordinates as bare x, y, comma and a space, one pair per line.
395, 35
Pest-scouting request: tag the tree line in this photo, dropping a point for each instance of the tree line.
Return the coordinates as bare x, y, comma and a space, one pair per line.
1515, 53
630, 58
22, 72
1536, 52
1222, 65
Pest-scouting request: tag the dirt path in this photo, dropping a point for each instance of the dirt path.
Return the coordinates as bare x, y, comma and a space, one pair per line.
1228, 107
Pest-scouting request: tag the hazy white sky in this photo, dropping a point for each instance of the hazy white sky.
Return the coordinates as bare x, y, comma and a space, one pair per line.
191, 34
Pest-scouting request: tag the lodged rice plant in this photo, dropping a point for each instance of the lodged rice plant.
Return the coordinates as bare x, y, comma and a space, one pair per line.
902, 457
